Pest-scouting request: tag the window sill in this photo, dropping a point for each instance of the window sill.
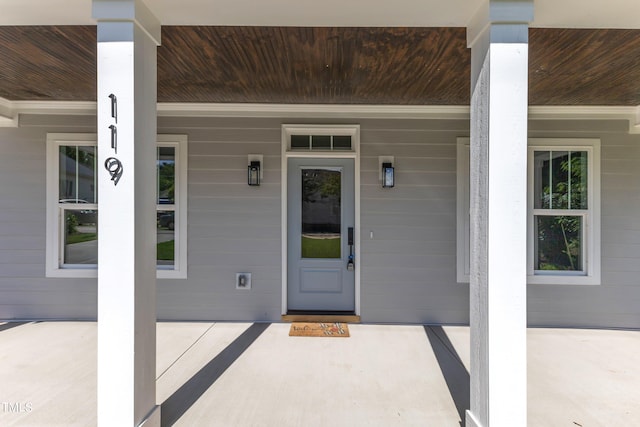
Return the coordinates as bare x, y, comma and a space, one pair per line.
92, 273
553, 280
550, 279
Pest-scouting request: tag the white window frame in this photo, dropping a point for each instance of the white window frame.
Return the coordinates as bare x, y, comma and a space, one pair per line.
54, 267
463, 207
591, 275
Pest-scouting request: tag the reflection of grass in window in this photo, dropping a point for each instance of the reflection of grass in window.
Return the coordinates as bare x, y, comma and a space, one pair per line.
553, 267
166, 251
320, 248
80, 237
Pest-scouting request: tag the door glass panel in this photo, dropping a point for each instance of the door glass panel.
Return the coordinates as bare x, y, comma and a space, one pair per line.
321, 213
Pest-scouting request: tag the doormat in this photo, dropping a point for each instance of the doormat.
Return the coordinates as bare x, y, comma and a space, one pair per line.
319, 329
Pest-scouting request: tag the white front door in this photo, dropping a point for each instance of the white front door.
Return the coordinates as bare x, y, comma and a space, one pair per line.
321, 220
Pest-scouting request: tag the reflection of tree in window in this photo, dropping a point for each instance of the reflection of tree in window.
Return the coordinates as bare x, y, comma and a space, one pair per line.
561, 185
77, 174
559, 243
320, 183
321, 213
80, 154
166, 182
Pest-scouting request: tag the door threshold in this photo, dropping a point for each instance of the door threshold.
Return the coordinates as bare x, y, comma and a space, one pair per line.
315, 316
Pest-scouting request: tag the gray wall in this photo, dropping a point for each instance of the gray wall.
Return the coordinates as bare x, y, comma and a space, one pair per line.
24, 291
408, 268
232, 227
616, 303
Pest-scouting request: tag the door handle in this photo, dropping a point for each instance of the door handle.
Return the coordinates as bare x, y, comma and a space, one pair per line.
350, 261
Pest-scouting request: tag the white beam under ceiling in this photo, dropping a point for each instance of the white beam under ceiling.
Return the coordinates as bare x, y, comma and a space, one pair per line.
359, 13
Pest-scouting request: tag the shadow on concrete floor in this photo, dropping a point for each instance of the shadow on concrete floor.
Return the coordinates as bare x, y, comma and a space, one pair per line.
10, 325
182, 399
453, 370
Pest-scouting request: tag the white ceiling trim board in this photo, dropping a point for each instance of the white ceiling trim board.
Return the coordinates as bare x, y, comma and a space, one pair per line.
10, 110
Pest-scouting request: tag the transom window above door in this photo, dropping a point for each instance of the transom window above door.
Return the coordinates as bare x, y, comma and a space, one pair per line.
320, 138
321, 142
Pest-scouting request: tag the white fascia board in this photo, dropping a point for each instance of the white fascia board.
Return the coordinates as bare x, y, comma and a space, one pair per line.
8, 122
8, 116
78, 108
578, 112
256, 110
9, 111
314, 111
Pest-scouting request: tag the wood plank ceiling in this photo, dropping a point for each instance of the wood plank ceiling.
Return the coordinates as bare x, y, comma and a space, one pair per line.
402, 66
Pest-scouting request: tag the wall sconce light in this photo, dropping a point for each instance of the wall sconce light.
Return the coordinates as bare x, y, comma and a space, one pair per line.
254, 170
387, 172
254, 173
387, 175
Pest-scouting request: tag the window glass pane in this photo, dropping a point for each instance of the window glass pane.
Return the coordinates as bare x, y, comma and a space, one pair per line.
342, 142
321, 142
165, 252
300, 142
542, 193
558, 243
559, 180
80, 237
77, 178
321, 213
579, 175
166, 174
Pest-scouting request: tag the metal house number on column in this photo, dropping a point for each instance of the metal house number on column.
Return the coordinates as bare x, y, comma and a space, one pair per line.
112, 164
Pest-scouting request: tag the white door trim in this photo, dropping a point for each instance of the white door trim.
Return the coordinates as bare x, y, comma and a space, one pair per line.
354, 132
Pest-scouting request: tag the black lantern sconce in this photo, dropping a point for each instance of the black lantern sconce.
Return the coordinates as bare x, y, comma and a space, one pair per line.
254, 170
254, 173
387, 172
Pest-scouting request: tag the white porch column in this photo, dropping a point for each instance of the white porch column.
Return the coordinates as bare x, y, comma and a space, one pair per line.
498, 37
128, 36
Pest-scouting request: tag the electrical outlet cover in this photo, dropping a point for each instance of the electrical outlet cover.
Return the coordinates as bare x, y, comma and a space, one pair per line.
243, 280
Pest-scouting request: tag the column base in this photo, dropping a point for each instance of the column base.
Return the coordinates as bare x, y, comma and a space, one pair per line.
152, 419
471, 421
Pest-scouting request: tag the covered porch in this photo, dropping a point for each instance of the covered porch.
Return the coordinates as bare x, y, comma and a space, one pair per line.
244, 374
426, 74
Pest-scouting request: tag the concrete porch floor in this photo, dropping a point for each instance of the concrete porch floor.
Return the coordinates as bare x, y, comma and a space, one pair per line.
243, 374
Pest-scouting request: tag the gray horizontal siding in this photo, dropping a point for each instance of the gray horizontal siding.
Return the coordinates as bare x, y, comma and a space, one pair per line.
232, 227
24, 291
616, 302
408, 267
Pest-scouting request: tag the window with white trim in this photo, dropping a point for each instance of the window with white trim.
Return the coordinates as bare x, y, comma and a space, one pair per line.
563, 215
72, 206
